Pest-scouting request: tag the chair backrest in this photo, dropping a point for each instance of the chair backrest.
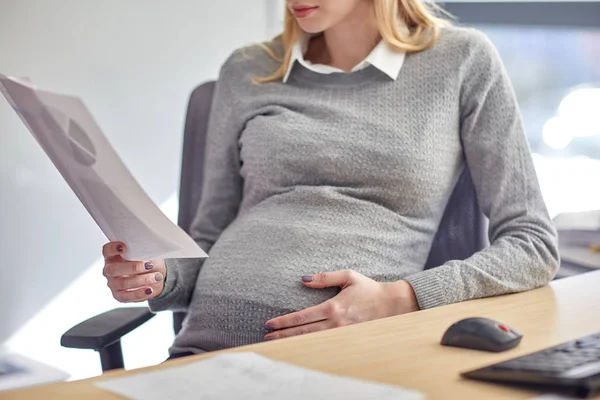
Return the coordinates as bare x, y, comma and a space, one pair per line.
463, 228
192, 160
461, 233
192, 163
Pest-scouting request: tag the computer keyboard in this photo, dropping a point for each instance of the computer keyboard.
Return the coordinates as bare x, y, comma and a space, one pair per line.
573, 366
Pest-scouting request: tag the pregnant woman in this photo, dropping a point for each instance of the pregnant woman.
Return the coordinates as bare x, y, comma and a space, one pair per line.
331, 154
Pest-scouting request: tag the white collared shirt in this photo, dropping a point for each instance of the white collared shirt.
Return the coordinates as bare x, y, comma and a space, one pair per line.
383, 57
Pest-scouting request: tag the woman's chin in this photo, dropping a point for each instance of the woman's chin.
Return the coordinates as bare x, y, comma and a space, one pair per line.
311, 27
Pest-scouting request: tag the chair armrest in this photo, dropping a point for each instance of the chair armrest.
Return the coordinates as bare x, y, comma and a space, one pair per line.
105, 329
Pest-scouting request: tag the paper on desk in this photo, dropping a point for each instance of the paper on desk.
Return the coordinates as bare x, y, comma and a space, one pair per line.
19, 372
68, 134
248, 376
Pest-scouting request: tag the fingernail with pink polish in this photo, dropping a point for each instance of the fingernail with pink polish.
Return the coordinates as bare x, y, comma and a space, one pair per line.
307, 278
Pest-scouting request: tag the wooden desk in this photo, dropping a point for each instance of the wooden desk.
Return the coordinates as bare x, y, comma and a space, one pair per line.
405, 350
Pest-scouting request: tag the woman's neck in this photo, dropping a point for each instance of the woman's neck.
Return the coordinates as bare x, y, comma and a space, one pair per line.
347, 44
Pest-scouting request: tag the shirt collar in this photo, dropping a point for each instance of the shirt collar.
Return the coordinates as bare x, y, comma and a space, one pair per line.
383, 57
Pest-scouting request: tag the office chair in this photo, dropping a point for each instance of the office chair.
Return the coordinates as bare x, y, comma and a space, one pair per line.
461, 233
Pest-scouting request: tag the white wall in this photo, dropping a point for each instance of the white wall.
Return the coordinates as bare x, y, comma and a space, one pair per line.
133, 62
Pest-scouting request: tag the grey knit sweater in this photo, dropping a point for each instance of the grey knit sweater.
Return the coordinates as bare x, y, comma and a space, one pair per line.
353, 171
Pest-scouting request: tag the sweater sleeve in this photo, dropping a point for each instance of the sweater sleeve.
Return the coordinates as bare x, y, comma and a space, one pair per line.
523, 254
221, 194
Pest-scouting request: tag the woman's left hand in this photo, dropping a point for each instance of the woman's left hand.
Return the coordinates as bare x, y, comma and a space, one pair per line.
361, 299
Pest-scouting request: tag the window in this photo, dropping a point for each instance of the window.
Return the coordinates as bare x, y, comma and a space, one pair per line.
551, 51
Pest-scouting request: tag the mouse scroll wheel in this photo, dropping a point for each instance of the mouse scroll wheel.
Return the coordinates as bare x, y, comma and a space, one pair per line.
504, 328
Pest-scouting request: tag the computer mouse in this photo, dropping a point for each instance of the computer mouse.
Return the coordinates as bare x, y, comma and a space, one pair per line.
481, 334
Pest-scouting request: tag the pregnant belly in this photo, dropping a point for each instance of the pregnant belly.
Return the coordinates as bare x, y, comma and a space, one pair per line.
254, 272
263, 263
244, 283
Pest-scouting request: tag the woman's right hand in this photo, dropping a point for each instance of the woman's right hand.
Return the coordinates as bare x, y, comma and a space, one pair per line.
132, 281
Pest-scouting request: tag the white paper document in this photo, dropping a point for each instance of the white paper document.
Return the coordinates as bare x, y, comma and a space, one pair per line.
18, 372
67, 132
249, 376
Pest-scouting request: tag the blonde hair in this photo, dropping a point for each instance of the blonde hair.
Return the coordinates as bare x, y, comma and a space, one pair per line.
422, 21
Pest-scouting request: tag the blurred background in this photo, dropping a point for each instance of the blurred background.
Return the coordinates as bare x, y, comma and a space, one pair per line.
551, 50
134, 64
